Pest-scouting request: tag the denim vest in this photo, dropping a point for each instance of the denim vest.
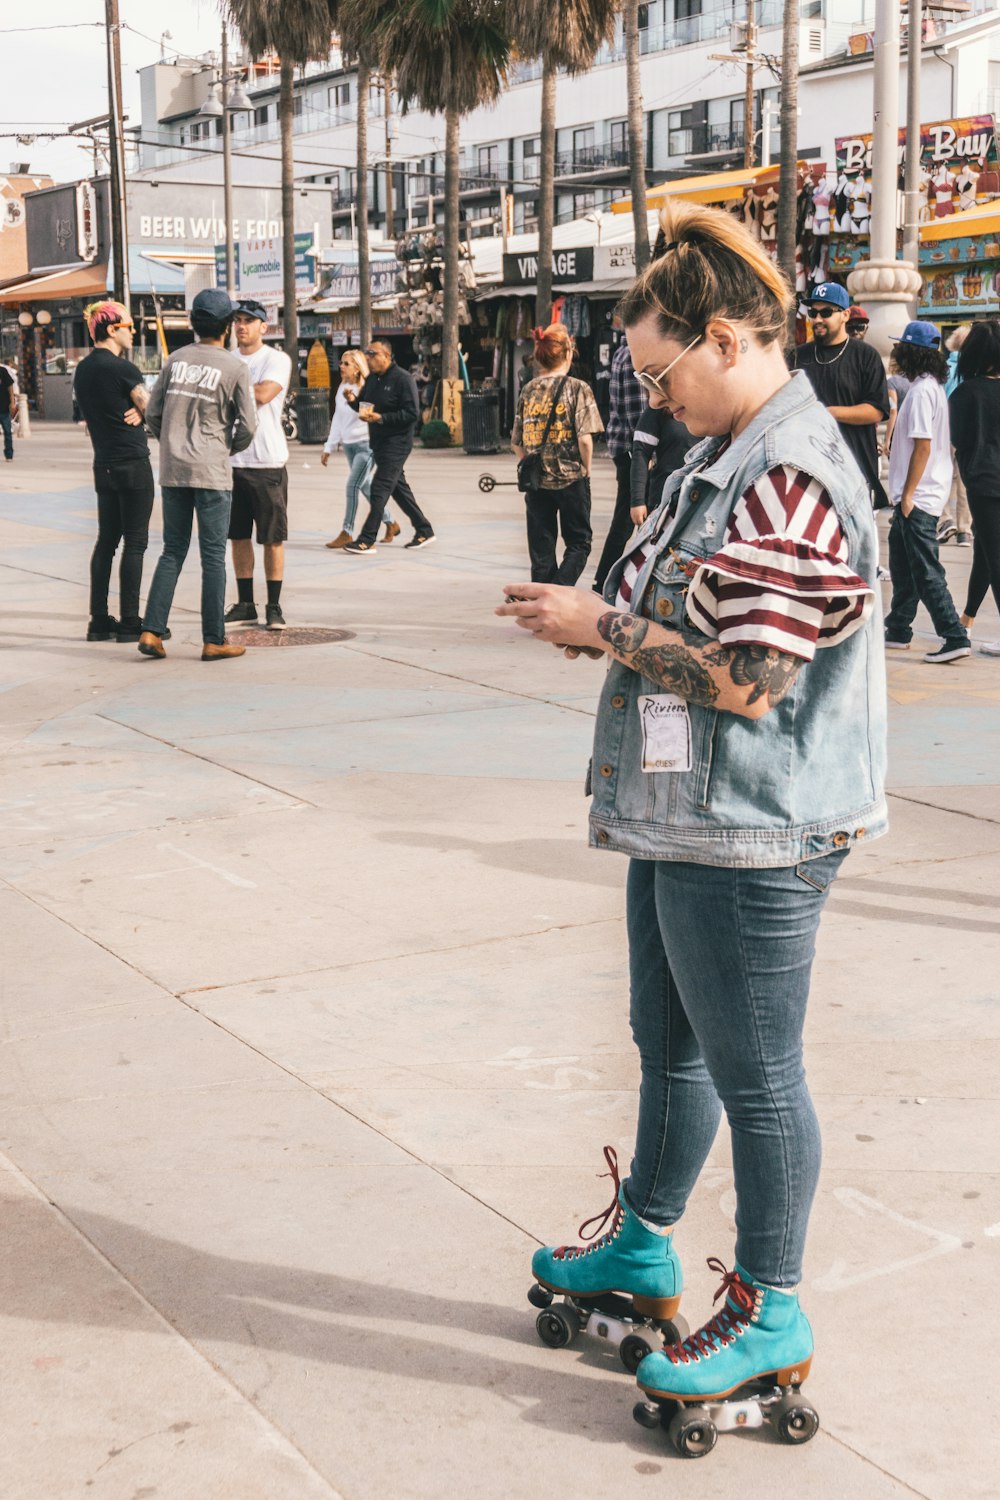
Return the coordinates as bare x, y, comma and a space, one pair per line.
807, 778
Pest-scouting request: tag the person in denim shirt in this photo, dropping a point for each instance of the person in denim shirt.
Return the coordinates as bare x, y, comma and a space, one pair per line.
738, 756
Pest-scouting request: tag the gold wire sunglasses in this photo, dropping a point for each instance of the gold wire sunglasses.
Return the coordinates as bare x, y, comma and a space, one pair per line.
651, 383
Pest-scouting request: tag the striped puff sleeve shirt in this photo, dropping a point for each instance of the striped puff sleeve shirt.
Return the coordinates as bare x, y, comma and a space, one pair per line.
781, 579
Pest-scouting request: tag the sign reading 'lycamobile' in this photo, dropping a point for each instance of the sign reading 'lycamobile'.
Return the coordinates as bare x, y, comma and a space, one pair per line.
260, 267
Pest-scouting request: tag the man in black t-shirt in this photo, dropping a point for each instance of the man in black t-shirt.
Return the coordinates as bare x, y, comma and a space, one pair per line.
8, 411
112, 397
848, 378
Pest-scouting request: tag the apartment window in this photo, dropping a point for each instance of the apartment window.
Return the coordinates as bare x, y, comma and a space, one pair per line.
297, 105
339, 96
489, 164
583, 147
583, 203
529, 211
685, 8
680, 132
618, 141
532, 157
262, 114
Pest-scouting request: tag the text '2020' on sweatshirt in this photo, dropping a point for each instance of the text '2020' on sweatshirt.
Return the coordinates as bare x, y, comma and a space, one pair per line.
202, 410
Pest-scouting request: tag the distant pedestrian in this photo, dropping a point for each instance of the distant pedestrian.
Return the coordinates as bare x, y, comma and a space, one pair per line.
556, 418
627, 402
260, 473
849, 380
8, 410
919, 484
857, 323
956, 518
659, 445
389, 404
203, 410
349, 432
975, 432
111, 395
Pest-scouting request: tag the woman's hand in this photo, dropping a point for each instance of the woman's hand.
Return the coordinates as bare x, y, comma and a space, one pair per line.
324, 458
639, 514
565, 617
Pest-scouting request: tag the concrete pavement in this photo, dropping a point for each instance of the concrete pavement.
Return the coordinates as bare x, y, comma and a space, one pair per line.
314, 1024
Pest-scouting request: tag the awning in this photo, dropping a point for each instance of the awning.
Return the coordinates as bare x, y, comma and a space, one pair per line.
983, 219
713, 187
88, 281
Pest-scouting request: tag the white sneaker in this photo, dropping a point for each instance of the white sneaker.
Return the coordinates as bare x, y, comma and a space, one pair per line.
990, 648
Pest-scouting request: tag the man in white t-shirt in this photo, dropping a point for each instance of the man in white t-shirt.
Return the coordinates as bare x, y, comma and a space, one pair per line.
260, 478
920, 474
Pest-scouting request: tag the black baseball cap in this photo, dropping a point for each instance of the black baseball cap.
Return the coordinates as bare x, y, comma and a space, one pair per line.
252, 308
214, 302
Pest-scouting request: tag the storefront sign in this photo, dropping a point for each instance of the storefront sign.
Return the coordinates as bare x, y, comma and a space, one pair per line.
166, 212
339, 276
567, 266
946, 143
612, 262
259, 265
62, 227
960, 276
450, 396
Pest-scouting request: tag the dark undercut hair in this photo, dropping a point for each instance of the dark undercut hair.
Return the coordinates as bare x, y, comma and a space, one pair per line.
980, 354
207, 327
914, 360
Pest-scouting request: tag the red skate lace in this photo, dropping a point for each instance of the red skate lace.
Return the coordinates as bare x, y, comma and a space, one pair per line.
722, 1329
571, 1252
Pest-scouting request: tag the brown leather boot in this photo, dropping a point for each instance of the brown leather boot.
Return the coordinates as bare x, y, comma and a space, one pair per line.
341, 540
391, 530
151, 645
211, 652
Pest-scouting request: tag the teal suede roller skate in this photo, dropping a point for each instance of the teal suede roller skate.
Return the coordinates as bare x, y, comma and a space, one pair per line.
628, 1280
742, 1369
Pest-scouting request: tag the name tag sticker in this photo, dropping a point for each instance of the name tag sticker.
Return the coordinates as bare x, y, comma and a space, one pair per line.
666, 732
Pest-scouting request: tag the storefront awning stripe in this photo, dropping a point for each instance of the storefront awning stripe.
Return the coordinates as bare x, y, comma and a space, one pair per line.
983, 219
88, 281
712, 187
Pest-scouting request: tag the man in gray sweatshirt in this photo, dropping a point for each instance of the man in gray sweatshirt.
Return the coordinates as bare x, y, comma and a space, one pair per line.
202, 410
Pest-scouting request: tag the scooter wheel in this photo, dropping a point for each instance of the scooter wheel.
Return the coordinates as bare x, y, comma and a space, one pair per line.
486, 483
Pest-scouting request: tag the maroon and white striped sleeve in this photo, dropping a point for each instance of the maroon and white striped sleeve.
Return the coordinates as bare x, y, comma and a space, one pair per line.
781, 578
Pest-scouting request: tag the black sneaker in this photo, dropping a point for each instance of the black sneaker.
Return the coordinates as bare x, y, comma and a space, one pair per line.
103, 629
241, 614
274, 619
946, 531
949, 651
129, 631
421, 541
963, 539
360, 549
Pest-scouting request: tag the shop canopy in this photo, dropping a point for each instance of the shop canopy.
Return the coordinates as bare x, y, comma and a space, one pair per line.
57, 286
983, 219
713, 187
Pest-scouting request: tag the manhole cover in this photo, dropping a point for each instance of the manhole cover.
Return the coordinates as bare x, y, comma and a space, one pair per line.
295, 635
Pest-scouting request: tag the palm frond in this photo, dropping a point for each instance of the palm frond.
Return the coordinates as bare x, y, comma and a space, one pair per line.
565, 33
444, 54
297, 30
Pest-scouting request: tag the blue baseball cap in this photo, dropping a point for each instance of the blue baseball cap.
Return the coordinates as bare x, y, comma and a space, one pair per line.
924, 334
831, 292
251, 308
214, 302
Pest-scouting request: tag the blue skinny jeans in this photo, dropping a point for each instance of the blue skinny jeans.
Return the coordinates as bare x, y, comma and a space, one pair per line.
180, 505
360, 474
720, 964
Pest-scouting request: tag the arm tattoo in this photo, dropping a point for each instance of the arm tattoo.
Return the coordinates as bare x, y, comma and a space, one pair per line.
673, 667
623, 632
764, 670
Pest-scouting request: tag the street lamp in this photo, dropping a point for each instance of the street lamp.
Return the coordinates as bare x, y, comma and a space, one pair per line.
219, 105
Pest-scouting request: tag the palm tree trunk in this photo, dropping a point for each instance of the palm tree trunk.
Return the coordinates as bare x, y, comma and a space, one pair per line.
290, 311
361, 209
546, 196
788, 178
449, 329
636, 135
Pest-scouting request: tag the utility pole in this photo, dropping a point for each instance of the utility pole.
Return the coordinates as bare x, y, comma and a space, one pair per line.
227, 167
116, 143
390, 226
749, 59
911, 171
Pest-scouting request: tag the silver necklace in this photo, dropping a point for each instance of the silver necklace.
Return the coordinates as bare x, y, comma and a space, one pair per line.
832, 361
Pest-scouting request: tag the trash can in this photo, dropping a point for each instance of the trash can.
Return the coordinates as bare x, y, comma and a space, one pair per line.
481, 421
313, 409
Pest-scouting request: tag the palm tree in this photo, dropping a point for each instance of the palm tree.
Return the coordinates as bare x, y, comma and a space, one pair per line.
448, 57
636, 134
564, 34
789, 120
297, 30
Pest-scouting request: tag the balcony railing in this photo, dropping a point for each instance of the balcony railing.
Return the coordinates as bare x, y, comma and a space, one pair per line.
591, 159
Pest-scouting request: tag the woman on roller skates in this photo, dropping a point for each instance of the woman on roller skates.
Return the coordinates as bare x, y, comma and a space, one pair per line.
738, 757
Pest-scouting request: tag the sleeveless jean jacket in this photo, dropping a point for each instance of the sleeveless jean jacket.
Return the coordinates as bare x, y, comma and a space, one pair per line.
807, 778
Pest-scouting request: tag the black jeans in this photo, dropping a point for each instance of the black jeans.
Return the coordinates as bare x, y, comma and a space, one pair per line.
390, 483
985, 573
919, 578
7, 424
550, 511
124, 506
621, 522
